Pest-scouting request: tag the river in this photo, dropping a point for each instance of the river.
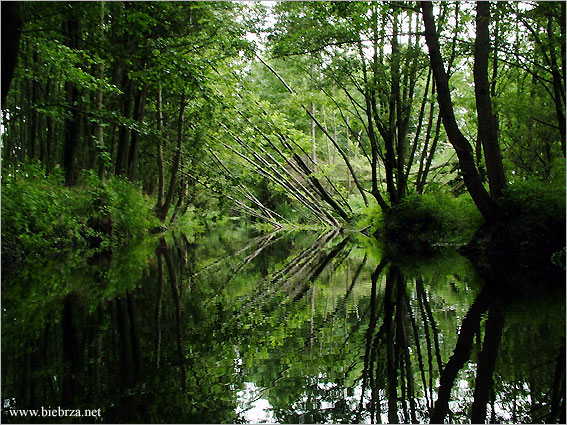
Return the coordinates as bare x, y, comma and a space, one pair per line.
234, 326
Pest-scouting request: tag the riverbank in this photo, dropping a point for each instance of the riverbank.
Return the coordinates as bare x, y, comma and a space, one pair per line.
42, 215
529, 230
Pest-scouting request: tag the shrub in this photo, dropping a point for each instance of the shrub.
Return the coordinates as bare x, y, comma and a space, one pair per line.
40, 213
36, 210
534, 199
422, 221
126, 206
530, 227
369, 217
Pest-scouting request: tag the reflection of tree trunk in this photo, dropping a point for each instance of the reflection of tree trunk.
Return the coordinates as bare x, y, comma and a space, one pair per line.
558, 391
461, 354
175, 294
391, 279
427, 314
320, 266
98, 348
418, 347
404, 309
428, 342
158, 307
34, 379
311, 320
134, 334
122, 319
23, 380
486, 363
419, 287
369, 354
71, 351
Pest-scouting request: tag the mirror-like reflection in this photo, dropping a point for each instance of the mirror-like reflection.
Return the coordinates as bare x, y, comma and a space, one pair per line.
288, 327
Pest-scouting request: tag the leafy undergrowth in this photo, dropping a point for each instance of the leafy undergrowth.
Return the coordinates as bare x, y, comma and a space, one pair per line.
41, 214
423, 222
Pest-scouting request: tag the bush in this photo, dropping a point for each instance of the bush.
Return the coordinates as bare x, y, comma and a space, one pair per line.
368, 217
422, 221
529, 229
39, 213
125, 206
36, 211
534, 199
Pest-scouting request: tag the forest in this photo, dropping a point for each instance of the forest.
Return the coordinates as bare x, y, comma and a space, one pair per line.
283, 211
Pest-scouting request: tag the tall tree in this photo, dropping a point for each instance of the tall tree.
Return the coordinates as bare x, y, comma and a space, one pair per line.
485, 204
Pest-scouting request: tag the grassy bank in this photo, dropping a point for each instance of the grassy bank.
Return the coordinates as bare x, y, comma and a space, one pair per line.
425, 222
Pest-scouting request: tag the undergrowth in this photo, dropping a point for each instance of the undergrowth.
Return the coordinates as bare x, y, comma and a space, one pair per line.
423, 221
39, 213
530, 227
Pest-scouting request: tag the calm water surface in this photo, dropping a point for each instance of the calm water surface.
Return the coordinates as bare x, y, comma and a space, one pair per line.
297, 327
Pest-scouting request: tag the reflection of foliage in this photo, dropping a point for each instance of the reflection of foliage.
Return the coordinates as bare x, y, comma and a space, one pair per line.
196, 329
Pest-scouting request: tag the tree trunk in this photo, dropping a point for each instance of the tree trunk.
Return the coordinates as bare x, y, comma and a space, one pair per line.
99, 105
124, 133
558, 79
480, 196
487, 129
73, 123
313, 138
159, 151
34, 115
134, 145
162, 212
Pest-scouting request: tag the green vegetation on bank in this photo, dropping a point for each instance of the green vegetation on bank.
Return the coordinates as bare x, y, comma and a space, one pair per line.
430, 219
279, 119
41, 214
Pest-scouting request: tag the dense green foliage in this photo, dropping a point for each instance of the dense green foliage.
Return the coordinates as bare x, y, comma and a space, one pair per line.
191, 101
41, 215
422, 221
395, 131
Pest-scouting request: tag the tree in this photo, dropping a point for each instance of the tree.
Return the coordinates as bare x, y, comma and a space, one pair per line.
482, 199
379, 74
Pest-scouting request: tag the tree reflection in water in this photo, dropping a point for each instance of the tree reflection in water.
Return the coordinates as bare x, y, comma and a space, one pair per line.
297, 327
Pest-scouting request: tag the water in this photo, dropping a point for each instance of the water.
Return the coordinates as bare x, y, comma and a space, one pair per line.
297, 327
